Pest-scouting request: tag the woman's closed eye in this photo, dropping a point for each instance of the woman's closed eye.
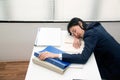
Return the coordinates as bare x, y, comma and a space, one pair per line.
73, 32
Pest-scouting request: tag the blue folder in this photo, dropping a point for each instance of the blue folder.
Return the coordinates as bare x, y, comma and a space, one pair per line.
55, 61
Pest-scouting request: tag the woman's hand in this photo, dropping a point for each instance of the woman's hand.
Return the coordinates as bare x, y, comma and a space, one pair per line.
76, 43
45, 55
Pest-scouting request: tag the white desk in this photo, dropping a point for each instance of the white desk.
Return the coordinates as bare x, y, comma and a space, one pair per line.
88, 72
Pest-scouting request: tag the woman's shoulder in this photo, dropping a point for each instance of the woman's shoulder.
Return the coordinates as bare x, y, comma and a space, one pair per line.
92, 25
96, 23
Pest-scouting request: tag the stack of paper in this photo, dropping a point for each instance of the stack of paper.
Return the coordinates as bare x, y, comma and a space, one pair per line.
54, 64
68, 45
48, 65
48, 36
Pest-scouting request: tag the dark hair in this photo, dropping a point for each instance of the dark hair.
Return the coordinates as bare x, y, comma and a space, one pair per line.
74, 22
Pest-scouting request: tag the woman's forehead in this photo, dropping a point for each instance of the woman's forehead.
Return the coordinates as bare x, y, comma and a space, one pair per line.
73, 27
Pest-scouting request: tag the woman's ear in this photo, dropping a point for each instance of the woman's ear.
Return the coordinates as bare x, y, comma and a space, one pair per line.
80, 24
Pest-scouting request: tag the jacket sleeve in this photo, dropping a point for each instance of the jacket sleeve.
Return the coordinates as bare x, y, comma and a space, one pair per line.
90, 39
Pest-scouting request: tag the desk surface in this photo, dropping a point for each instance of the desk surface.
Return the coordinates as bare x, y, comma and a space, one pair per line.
88, 72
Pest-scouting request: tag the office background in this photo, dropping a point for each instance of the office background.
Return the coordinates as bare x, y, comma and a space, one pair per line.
59, 10
17, 39
18, 28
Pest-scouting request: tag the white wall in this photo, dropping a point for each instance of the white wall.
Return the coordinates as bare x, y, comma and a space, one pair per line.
114, 29
17, 39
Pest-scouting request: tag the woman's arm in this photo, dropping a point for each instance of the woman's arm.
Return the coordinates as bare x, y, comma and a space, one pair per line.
90, 40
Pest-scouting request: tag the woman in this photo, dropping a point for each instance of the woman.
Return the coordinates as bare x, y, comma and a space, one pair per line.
97, 40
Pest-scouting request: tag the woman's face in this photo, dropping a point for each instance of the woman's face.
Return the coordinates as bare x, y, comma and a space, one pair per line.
76, 31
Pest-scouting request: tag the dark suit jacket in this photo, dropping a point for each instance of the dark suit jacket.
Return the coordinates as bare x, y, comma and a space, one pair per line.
105, 48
